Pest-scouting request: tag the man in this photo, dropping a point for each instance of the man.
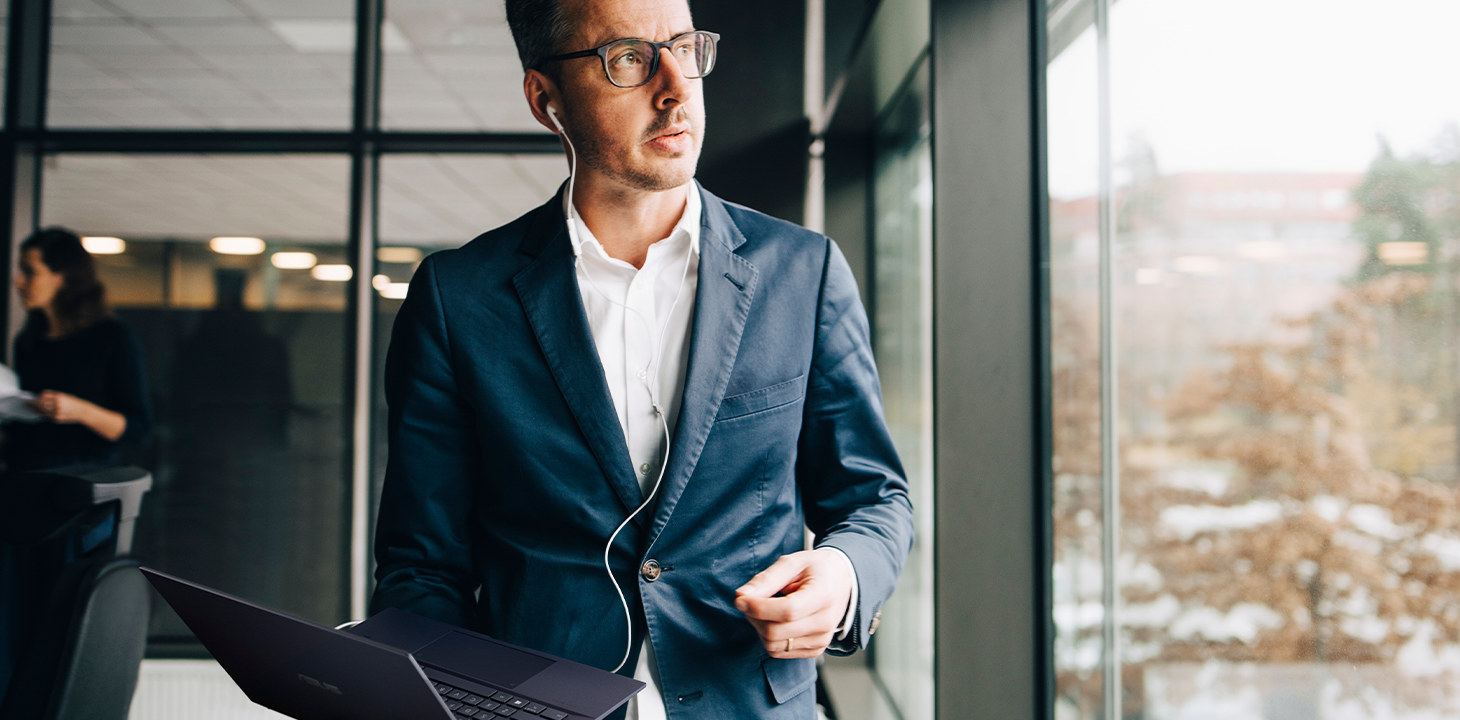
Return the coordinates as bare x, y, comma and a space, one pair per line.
640, 374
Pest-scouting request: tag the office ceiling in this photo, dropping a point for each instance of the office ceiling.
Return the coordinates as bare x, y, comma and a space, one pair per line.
431, 200
279, 64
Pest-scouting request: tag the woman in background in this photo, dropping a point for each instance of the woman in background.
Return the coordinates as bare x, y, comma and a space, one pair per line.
85, 369
83, 365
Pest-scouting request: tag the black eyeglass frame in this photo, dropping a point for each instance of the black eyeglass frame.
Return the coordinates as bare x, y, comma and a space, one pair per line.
602, 53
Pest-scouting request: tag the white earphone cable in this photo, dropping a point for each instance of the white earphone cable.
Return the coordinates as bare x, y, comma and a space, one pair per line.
652, 388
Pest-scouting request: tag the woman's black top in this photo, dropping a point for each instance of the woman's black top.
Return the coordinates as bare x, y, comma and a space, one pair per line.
101, 363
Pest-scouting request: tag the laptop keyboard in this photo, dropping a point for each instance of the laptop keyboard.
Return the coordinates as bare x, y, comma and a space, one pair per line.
500, 705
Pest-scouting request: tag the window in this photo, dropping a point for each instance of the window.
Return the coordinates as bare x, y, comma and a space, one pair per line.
223, 272
1283, 238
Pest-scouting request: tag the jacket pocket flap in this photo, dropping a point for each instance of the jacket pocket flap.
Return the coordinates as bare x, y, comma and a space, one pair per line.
766, 398
788, 678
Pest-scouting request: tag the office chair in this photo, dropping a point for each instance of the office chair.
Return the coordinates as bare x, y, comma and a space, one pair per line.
87, 606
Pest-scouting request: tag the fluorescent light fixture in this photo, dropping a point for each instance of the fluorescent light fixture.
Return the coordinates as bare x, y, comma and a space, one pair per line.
237, 245
402, 255
379, 282
293, 260
104, 245
332, 273
1404, 253
334, 36
394, 290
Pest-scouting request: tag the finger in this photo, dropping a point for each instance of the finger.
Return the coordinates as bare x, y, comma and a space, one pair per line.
819, 623
811, 596
773, 579
801, 647
803, 603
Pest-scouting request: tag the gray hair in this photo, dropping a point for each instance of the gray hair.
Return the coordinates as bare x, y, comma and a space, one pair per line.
540, 28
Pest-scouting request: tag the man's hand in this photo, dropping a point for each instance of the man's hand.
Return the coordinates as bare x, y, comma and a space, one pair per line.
61, 407
814, 587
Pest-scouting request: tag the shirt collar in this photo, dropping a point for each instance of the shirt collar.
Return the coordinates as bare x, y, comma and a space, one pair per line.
689, 223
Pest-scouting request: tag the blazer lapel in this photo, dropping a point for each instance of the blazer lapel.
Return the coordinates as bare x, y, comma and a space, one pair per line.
548, 287
722, 303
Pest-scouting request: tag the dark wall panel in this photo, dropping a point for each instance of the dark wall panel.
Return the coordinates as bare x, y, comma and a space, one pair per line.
756, 130
992, 601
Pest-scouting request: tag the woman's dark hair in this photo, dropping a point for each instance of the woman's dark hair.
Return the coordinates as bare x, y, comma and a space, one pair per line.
81, 299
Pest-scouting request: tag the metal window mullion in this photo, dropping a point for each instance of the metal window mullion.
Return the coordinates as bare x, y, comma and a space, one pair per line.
364, 212
1112, 694
28, 57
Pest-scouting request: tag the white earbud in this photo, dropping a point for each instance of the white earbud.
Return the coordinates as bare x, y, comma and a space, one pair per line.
553, 115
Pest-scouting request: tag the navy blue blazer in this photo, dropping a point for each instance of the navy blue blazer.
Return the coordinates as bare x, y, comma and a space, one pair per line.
508, 468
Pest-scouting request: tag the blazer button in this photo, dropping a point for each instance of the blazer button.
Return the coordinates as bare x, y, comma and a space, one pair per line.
876, 620
650, 571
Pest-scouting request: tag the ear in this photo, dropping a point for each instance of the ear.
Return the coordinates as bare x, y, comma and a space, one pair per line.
541, 91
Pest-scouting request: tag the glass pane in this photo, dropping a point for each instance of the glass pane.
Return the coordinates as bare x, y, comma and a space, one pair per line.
1074, 309
202, 64
451, 65
246, 359
1287, 223
902, 341
437, 202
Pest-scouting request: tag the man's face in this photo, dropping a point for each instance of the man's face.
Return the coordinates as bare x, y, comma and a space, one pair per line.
648, 137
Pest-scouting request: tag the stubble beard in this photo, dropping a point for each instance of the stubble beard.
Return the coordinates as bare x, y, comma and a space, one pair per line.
653, 176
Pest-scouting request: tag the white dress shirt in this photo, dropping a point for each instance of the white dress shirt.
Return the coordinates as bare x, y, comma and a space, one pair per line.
640, 320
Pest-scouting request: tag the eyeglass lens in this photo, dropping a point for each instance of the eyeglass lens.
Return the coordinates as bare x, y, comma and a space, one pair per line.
629, 62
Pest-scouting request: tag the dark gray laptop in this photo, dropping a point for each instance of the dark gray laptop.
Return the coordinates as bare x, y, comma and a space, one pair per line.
394, 666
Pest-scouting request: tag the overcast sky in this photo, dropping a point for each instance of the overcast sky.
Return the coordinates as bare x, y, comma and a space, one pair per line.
1259, 85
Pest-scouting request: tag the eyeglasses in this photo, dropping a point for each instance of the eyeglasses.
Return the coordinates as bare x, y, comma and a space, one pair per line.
630, 63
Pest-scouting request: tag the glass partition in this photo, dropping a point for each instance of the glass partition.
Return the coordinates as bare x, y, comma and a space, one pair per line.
902, 331
214, 64
435, 202
228, 270
451, 65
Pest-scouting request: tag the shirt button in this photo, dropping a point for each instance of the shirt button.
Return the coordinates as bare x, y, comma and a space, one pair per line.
650, 571
642, 374
644, 468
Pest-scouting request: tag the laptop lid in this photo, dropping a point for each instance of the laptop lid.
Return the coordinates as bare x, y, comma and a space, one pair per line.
300, 668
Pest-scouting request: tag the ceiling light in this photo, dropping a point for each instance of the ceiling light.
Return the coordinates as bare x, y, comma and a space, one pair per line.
403, 255
394, 291
1404, 253
104, 245
293, 260
237, 245
332, 273
379, 282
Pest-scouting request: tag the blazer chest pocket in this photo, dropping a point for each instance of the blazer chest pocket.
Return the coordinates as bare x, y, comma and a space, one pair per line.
767, 398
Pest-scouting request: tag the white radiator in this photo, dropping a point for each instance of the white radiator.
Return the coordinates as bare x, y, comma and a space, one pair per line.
191, 689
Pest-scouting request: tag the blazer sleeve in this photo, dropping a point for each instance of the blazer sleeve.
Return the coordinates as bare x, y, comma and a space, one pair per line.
852, 482
423, 544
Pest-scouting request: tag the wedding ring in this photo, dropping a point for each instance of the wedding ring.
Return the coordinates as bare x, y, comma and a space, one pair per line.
788, 644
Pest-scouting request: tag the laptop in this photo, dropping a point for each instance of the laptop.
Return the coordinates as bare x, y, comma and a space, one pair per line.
394, 666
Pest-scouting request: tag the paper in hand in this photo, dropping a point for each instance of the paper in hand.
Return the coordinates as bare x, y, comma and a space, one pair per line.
14, 402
